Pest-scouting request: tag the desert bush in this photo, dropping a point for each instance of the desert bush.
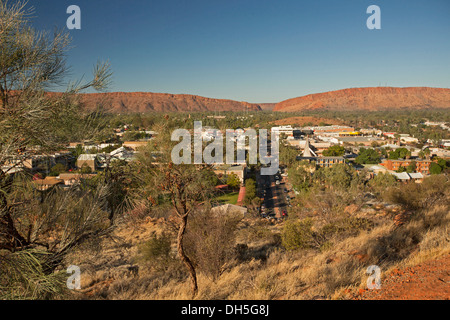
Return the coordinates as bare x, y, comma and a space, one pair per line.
156, 252
299, 235
210, 241
348, 226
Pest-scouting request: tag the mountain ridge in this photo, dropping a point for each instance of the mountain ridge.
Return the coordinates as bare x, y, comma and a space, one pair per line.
133, 102
369, 98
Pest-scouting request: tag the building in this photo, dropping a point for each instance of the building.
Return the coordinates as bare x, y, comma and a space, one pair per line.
326, 162
358, 140
401, 176
333, 130
389, 134
350, 133
408, 139
42, 162
229, 209
224, 170
134, 145
317, 147
47, 183
422, 166
88, 160
286, 130
71, 179
416, 177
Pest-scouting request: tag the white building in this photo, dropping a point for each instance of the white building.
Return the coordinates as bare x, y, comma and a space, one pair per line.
286, 130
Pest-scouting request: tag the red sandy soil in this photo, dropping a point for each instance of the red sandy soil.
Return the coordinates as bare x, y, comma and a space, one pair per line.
429, 280
371, 99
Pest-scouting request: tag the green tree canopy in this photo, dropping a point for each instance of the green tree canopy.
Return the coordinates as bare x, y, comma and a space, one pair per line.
367, 156
233, 181
334, 151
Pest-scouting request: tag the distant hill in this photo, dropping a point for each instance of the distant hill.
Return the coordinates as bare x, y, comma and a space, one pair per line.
371, 99
132, 102
267, 106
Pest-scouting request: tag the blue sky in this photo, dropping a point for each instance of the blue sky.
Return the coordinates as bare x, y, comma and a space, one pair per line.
256, 51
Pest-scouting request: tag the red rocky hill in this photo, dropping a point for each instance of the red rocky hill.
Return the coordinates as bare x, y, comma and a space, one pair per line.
123, 102
371, 99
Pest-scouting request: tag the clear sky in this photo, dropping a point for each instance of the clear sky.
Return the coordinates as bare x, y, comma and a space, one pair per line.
257, 50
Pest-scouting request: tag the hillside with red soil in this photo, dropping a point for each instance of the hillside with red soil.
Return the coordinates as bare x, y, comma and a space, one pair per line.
370, 99
132, 102
429, 280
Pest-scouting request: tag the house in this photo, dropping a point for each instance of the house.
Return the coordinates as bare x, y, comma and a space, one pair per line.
223, 170
401, 176
134, 145
389, 134
43, 162
47, 183
439, 152
408, 139
416, 176
71, 179
375, 168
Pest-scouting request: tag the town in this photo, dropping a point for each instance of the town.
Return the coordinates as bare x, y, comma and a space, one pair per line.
368, 151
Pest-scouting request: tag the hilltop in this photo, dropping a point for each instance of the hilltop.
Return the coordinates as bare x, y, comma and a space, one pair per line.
132, 102
370, 99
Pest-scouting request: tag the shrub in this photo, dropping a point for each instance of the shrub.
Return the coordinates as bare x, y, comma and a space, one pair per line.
156, 252
298, 235
210, 241
57, 169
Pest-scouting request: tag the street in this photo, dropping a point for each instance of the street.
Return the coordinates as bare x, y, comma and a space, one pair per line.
274, 197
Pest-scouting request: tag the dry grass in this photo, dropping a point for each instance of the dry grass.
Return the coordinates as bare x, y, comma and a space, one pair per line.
265, 270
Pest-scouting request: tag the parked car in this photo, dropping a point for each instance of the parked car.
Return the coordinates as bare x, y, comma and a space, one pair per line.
277, 182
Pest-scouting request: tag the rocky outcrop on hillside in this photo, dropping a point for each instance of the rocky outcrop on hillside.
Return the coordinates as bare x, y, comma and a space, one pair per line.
370, 99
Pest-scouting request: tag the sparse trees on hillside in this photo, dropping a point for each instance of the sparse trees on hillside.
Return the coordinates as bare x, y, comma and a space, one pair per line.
181, 189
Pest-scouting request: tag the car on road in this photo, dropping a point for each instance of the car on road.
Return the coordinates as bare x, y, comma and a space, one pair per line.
277, 182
